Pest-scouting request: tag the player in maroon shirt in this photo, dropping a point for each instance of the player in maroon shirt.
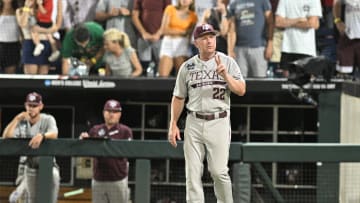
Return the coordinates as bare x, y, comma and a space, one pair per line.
110, 178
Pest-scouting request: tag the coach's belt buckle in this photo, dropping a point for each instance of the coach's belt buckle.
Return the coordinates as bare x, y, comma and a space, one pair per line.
212, 116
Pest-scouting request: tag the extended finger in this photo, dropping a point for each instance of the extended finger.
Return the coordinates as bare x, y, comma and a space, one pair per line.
217, 59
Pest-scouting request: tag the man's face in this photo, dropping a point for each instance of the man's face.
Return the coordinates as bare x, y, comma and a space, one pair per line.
206, 43
33, 109
111, 117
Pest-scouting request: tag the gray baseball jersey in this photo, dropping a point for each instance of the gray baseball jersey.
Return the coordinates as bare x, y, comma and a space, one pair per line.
207, 91
46, 123
24, 129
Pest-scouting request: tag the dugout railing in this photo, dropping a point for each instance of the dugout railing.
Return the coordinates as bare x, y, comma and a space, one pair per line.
143, 151
332, 126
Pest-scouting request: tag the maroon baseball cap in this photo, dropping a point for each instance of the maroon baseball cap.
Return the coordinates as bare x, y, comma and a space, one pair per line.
112, 105
33, 98
204, 29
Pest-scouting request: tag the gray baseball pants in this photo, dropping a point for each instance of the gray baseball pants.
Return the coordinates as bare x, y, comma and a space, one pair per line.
30, 178
210, 139
110, 191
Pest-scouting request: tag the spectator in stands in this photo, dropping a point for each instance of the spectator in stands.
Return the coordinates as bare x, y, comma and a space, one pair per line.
147, 16
328, 16
10, 40
299, 19
177, 24
325, 35
36, 64
250, 35
217, 17
43, 16
120, 58
84, 42
38, 127
78, 11
202, 6
117, 14
348, 51
110, 175
274, 62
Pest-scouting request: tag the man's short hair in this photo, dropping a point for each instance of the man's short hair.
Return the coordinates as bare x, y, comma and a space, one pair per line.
81, 33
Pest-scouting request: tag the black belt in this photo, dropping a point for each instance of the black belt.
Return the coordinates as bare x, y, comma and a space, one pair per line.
209, 117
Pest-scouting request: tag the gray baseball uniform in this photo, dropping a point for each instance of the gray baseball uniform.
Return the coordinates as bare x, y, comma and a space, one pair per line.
208, 130
24, 129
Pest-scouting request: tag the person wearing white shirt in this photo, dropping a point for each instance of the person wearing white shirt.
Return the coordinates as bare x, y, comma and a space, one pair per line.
299, 19
348, 54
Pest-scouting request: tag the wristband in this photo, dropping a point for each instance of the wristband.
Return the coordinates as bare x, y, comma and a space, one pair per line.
93, 60
44, 137
337, 20
26, 9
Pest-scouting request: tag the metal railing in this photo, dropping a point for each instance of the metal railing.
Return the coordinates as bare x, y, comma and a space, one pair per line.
143, 151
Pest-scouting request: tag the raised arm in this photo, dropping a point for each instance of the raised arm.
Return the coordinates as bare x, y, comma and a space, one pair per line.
224, 26
10, 128
22, 16
224, 23
41, 7
58, 23
236, 86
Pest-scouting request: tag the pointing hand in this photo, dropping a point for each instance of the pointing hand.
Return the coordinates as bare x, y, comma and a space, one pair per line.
220, 69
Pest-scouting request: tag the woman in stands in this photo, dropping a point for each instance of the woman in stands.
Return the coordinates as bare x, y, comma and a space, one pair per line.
120, 58
26, 20
178, 23
217, 17
10, 38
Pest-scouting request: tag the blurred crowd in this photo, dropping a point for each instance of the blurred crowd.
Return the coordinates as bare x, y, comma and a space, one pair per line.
132, 38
